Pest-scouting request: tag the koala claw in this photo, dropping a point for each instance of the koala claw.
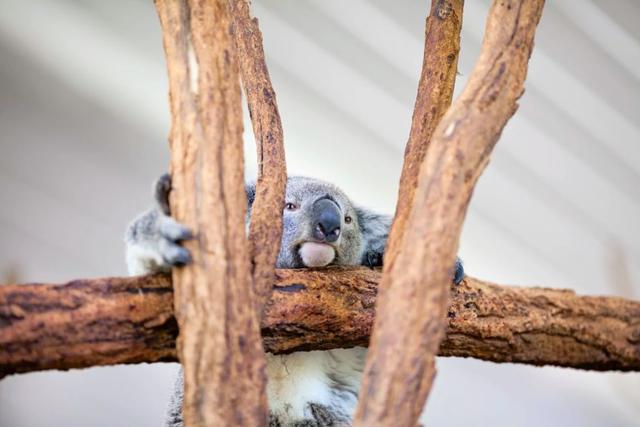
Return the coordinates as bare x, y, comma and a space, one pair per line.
172, 230
459, 272
161, 193
171, 233
174, 254
373, 259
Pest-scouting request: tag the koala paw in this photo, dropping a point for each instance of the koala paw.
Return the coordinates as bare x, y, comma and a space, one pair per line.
171, 234
373, 259
154, 238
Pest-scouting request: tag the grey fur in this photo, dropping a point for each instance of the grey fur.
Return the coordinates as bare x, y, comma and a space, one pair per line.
323, 416
153, 244
174, 414
297, 228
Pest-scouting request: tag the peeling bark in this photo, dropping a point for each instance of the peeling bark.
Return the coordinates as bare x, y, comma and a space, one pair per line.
414, 292
130, 320
219, 344
266, 213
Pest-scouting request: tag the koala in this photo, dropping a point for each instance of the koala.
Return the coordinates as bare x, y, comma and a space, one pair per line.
321, 226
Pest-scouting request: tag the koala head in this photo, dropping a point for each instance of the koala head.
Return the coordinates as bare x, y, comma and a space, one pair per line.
320, 225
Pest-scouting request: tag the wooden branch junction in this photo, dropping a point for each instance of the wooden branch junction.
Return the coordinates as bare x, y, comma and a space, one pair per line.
414, 290
110, 321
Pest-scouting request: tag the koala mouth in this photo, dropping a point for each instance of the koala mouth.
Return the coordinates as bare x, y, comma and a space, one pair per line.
315, 254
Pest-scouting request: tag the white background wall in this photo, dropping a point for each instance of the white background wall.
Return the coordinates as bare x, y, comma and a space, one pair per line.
83, 125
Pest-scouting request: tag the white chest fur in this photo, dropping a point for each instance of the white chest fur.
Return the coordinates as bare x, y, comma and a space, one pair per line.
328, 378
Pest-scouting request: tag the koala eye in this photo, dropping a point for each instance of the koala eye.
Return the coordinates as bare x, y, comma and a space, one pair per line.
290, 206
347, 219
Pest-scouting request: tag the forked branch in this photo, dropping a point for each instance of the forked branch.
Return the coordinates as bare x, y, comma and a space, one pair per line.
414, 292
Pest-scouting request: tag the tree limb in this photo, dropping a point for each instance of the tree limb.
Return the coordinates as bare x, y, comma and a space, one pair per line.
130, 320
414, 291
435, 90
411, 306
266, 213
219, 344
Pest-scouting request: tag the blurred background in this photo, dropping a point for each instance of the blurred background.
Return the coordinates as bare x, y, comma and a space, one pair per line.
83, 128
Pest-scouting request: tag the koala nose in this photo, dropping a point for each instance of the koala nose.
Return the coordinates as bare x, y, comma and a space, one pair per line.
327, 219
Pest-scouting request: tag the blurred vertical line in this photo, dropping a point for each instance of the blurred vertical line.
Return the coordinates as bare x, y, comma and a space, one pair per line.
617, 262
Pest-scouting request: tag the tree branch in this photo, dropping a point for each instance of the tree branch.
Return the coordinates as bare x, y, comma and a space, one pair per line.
414, 305
130, 320
414, 292
219, 345
266, 213
435, 90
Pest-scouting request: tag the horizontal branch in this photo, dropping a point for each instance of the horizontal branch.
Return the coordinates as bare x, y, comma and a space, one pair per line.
130, 320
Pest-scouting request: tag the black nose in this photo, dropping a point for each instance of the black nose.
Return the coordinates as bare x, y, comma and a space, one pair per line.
326, 220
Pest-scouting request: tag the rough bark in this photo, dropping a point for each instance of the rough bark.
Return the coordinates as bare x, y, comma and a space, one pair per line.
435, 90
266, 216
130, 320
219, 344
414, 293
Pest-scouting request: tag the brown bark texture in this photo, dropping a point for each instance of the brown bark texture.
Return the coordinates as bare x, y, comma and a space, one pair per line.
266, 212
435, 90
414, 292
219, 345
130, 320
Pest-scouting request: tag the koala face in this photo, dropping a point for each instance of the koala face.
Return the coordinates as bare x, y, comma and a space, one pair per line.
320, 226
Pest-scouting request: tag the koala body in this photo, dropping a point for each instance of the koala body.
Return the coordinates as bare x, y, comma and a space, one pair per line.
321, 226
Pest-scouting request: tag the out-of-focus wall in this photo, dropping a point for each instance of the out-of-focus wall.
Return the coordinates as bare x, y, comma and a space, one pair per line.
83, 125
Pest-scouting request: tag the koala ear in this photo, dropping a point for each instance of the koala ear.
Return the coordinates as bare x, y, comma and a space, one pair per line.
250, 188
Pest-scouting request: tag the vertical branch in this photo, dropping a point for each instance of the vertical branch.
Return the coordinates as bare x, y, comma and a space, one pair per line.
414, 291
219, 344
435, 90
266, 212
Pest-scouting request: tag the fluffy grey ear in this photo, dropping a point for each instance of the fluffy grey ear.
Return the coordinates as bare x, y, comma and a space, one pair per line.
375, 230
250, 188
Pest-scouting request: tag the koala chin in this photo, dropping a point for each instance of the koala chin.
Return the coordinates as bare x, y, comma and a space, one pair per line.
321, 226
315, 254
